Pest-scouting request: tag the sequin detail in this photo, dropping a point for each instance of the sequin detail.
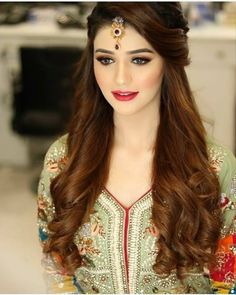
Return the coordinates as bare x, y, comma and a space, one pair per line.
216, 156
101, 241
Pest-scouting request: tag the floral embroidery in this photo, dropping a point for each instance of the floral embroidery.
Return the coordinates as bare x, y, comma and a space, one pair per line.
46, 209
92, 228
96, 227
224, 271
101, 241
56, 165
216, 157
85, 246
233, 249
224, 200
151, 229
84, 240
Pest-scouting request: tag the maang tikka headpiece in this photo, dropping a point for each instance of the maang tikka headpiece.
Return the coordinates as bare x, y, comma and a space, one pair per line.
118, 30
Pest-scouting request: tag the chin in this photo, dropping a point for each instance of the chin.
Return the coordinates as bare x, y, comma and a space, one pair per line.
125, 112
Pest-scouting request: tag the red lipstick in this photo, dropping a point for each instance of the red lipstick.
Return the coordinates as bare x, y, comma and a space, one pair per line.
124, 95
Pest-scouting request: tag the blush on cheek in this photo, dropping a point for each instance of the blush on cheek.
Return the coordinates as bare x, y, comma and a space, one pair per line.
101, 81
151, 80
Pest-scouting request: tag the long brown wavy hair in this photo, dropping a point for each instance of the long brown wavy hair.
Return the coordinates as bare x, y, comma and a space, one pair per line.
185, 189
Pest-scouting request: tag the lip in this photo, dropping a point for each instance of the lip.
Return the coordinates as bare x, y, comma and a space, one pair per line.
124, 95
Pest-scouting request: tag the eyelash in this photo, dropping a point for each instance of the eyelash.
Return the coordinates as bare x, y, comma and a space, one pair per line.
143, 60
107, 60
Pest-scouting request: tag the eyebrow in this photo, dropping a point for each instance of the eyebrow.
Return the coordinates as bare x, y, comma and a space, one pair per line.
129, 52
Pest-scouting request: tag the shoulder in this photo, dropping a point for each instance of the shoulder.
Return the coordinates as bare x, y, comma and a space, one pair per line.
56, 156
222, 160
224, 163
55, 160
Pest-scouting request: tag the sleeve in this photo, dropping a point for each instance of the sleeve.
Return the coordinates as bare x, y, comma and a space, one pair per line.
223, 275
57, 281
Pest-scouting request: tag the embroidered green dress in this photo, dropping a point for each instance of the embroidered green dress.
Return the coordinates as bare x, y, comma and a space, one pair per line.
118, 244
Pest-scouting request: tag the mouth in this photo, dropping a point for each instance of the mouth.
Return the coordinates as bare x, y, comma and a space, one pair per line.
124, 95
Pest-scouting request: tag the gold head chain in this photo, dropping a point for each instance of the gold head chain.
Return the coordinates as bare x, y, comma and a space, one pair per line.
118, 30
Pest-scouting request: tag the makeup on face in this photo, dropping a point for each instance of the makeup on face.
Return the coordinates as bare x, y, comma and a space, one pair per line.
129, 78
124, 95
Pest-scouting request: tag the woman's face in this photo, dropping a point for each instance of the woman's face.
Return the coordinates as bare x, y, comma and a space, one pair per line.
130, 78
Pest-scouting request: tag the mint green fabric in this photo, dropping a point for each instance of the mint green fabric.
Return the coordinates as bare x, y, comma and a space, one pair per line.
101, 240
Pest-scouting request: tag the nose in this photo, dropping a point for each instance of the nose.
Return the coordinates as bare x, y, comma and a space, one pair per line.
123, 74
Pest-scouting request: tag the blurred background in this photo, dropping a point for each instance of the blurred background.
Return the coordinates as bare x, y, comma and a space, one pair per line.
40, 45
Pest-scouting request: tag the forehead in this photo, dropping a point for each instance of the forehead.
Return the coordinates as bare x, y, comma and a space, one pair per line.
131, 40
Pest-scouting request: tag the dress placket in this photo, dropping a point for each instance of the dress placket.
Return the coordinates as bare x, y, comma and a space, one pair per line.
126, 232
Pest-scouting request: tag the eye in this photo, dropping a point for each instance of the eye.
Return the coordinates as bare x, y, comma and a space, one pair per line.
105, 60
140, 60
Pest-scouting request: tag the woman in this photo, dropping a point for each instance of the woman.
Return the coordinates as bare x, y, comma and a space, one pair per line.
129, 200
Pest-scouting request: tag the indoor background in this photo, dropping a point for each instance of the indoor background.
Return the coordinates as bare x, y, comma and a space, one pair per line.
40, 44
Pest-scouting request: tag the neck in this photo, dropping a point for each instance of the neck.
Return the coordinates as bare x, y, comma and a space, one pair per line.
137, 132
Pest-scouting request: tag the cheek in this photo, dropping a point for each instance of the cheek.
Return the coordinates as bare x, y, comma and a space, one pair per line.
98, 76
101, 77
151, 79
